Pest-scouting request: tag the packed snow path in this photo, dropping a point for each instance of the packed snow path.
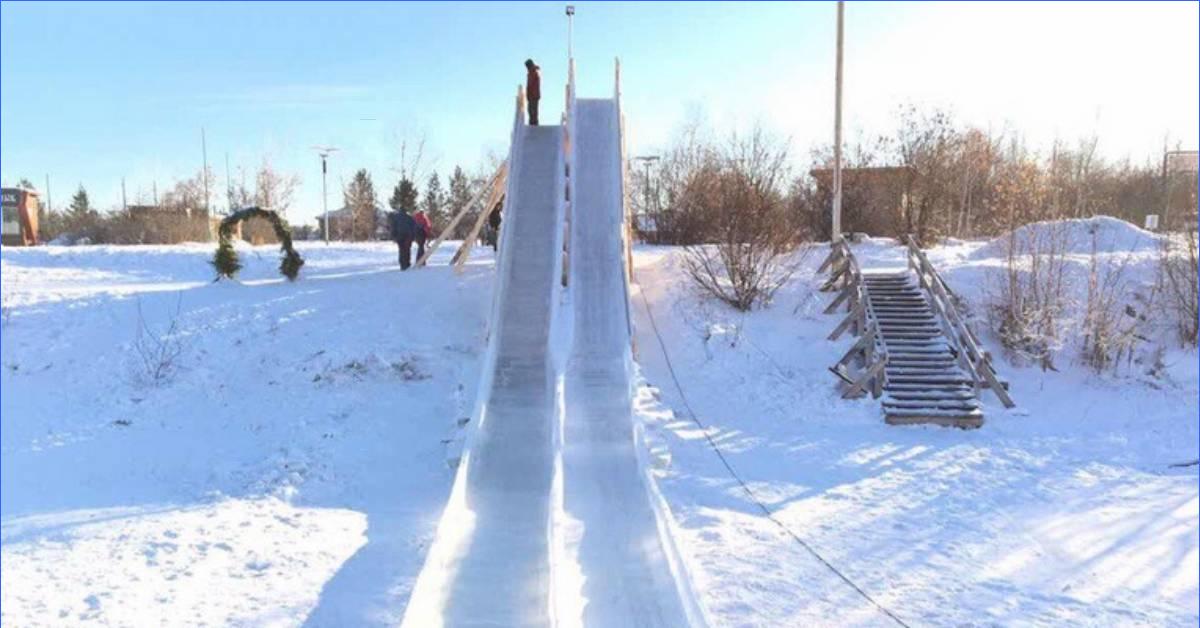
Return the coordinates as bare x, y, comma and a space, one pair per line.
618, 550
490, 562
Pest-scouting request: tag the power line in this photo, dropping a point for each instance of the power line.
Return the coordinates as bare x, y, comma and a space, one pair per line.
745, 487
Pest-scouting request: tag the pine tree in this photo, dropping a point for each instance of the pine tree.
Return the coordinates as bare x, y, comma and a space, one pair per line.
80, 218
360, 199
460, 195
434, 203
404, 196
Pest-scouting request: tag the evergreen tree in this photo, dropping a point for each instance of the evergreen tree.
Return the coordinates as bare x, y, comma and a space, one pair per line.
435, 202
460, 195
360, 199
404, 196
80, 218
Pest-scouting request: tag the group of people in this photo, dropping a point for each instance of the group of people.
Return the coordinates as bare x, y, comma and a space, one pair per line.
417, 228
408, 229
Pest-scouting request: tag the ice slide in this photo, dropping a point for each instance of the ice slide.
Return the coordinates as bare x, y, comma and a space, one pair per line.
551, 521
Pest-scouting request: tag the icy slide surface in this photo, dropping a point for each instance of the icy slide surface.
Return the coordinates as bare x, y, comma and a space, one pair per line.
551, 521
489, 564
627, 579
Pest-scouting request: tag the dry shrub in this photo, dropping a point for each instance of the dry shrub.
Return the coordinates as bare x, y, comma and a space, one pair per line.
737, 198
1029, 297
156, 354
1179, 274
1112, 325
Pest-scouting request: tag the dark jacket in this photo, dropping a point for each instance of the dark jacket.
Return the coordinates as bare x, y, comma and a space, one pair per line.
404, 227
494, 217
533, 83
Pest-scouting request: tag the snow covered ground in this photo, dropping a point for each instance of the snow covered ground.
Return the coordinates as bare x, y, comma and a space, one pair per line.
1062, 511
292, 467
289, 467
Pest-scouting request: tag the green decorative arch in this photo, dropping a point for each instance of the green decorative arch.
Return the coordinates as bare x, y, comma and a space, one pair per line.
225, 260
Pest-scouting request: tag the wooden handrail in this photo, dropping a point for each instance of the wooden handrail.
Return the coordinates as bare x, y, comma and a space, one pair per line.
974, 360
860, 320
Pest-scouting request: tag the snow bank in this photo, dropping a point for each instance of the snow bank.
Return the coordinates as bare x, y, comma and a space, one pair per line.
1077, 237
291, 468
1064, 511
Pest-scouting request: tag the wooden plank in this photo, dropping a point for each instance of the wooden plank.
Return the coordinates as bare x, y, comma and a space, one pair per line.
859, 386
463, 212
842, 296
497, 190
846, 322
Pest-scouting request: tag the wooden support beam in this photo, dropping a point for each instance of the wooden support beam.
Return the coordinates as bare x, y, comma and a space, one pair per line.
497, 191
851, 318
859, 387
486, 189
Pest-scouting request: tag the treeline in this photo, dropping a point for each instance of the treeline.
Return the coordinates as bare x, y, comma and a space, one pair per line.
933, 177
180, 213
364, 218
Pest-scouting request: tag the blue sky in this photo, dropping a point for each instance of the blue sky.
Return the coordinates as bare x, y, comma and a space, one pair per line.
93, 92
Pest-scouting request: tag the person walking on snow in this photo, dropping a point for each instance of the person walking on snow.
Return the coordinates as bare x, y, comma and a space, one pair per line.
406, 230
425, 232
533, 89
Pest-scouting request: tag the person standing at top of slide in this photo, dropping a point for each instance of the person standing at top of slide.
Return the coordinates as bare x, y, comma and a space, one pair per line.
533, 89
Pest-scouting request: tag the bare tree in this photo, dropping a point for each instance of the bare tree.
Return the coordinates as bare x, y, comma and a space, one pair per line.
739, 199
1179, 279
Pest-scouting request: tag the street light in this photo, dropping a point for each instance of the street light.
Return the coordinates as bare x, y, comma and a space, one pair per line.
570, 18
646, 161
325, 152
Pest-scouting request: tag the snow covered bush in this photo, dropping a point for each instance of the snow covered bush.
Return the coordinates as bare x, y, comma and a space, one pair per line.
1179, 274
1112, 325
1029, 296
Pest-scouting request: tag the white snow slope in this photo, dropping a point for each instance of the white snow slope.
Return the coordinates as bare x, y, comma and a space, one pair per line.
291, 467
1063, 511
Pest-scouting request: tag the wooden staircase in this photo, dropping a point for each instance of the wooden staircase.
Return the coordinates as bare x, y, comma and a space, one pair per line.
914, 350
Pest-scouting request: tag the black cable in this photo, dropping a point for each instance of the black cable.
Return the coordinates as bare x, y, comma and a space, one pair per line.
734, 474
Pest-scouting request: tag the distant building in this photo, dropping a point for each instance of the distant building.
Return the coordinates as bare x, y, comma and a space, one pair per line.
873, 199
20, 208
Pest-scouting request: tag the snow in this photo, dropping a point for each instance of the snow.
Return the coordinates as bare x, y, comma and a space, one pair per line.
1062, 511
294, 466
1110, 235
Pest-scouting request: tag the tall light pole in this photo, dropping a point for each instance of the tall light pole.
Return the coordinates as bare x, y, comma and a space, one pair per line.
836, 236
570, 19
204, 172
646, 161
325, 152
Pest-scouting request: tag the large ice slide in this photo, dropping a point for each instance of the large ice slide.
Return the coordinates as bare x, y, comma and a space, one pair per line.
552, 520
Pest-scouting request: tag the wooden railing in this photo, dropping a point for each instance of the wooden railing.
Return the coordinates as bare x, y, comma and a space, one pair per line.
963, 341
862, 368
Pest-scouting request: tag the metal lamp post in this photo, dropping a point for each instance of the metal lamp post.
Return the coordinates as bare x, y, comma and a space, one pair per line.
570, 19
646, 161
325, 152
